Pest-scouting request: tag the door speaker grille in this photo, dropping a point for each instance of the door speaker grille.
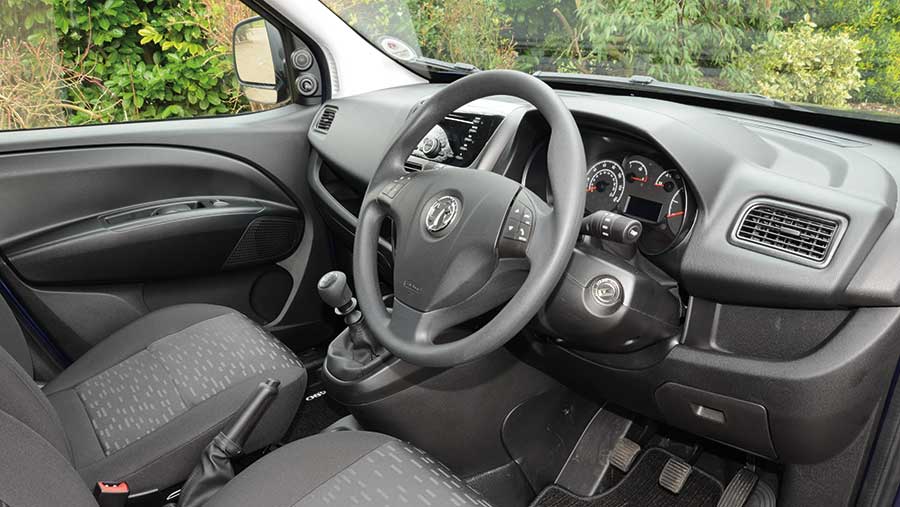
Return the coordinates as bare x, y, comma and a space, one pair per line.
266, 239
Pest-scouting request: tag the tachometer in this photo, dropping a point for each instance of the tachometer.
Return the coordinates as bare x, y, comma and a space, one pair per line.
605, 185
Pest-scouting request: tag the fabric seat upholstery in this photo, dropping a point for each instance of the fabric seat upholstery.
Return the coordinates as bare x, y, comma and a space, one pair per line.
347, 468
142, 404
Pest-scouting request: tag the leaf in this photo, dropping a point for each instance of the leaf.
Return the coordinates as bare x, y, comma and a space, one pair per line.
172, 110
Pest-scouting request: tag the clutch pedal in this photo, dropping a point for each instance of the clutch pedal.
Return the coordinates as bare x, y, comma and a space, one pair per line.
674, 475
623, 454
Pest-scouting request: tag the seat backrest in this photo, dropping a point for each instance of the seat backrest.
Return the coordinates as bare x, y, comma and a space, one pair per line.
20, 396
12, 340
36, 464
33, 473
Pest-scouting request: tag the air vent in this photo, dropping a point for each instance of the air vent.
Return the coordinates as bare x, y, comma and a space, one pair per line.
412, 167
789, 232
326, 119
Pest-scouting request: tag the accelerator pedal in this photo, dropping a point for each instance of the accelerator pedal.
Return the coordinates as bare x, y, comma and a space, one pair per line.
674, 475
623, 454
739, 489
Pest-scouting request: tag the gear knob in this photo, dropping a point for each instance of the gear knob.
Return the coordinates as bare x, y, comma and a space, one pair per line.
335, 291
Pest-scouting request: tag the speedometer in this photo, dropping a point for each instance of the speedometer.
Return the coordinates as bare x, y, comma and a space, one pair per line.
605, 186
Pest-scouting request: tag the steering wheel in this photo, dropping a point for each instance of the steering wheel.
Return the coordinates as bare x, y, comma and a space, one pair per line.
466, 240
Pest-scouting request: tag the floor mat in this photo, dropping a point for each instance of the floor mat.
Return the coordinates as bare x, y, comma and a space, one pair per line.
640, 487
317, 412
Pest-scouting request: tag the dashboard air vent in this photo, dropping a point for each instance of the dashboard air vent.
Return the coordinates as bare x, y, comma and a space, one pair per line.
326, 119
412, 167
790, 232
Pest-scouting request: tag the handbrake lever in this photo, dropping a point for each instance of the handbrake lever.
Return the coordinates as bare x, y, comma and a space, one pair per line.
214, 469
252, 412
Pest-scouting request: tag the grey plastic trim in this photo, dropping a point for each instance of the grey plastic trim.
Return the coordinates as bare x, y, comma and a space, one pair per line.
842, 222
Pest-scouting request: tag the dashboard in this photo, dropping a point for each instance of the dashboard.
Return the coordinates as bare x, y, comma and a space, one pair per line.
757, 212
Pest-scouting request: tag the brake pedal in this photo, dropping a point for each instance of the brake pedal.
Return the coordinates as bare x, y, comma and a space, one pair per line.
674, 475
739, 489
623, 454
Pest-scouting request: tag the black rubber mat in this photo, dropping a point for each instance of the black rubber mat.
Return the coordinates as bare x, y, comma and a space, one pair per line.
317, 412
640, 487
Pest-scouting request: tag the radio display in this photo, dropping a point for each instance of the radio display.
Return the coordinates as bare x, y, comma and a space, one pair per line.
645, 209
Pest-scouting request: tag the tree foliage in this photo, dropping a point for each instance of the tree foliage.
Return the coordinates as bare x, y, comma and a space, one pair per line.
471, 31
801, 65
122, 60
876, 25
679, 41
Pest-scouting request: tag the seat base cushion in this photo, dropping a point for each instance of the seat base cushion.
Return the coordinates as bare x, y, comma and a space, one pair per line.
142, 404
347, 468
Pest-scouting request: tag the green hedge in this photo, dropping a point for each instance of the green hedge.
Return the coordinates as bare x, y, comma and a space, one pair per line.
801, 64
125, 60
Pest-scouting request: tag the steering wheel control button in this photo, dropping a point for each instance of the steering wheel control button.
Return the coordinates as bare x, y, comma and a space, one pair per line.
390, 190
516, 229
527, 216
524, 232
520, 211
607, 291
442, 213
511, 228
393, 188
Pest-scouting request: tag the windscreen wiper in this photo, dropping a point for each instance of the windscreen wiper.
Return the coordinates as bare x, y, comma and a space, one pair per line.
442, 66
647, 83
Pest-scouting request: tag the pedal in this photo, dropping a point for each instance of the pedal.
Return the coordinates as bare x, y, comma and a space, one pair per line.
674, 475
623, 454
739, 489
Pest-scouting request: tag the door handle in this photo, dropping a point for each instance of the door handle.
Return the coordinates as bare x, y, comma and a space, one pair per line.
174, 208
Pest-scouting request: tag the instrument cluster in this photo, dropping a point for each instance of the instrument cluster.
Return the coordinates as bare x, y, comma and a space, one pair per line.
639, 187
627, 176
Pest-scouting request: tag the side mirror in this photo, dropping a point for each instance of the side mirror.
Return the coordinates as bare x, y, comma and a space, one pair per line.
259, 61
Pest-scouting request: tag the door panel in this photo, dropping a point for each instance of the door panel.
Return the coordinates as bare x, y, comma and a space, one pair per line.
105, 223
166, 239
76, 184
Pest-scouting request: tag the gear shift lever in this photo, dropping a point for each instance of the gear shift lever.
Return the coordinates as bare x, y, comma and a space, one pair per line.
355, 351
335, 292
